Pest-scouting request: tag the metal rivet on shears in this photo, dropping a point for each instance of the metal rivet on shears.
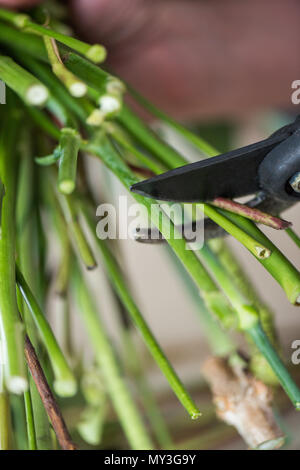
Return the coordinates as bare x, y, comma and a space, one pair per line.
295, 182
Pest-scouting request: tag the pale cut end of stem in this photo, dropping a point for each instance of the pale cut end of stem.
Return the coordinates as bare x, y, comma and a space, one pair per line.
272, 444
262, 252
195, 416
65, 388
115, 85
37, 95
78, 89
96, 118
109, 104
66, 186
96, 53
16, 384
21, 20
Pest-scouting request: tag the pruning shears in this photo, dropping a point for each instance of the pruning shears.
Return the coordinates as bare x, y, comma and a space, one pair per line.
268, 169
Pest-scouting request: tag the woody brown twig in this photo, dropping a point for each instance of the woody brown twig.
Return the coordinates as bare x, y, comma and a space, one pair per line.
47, 398
243, 401
251, 213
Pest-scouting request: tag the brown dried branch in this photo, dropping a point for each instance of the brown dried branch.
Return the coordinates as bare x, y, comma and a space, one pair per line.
47, 398
251, 213
244, 402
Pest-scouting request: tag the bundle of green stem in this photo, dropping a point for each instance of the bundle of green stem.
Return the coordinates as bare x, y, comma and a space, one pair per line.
59, 91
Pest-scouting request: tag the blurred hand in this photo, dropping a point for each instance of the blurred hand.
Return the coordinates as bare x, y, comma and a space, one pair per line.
198, 58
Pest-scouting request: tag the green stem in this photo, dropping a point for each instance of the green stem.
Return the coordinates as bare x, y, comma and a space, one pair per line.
43, 72
293, 236
69, 144
287, 276
95, 52
199, 143
65, 383
218, 339
254, 246
235, 271
122, 290
32, 443
27, 43
94, 76
144, 159
134, 364
262, 342
249, 323
75, 86
71, 217
248, 316
5, 422
165, 153
123, 403
43, 122
12, 331
28, 254
29, 88
237, 300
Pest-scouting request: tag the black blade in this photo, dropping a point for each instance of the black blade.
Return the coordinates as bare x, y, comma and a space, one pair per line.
231, 175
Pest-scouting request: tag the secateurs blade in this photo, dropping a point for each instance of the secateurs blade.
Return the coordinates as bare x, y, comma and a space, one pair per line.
269, 169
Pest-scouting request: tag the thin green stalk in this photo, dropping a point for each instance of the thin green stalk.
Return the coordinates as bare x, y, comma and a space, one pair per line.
211, 294
75, 86
291, 233
199, 143
29, 88
27, 43
43, 72
235, 271
164, 152
19, 437
12, 331
32, 443
123, 403
27, 238
156, 420
69, 144
144, 159
82, 246
94, 76
248, 316
219, 341
259, 250
250, 324
287, 276
124, 295
262, 342
241, 305
65, 382
95, 52
5, 422
43, 122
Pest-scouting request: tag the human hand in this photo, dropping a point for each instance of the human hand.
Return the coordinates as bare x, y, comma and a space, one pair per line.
198, 58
